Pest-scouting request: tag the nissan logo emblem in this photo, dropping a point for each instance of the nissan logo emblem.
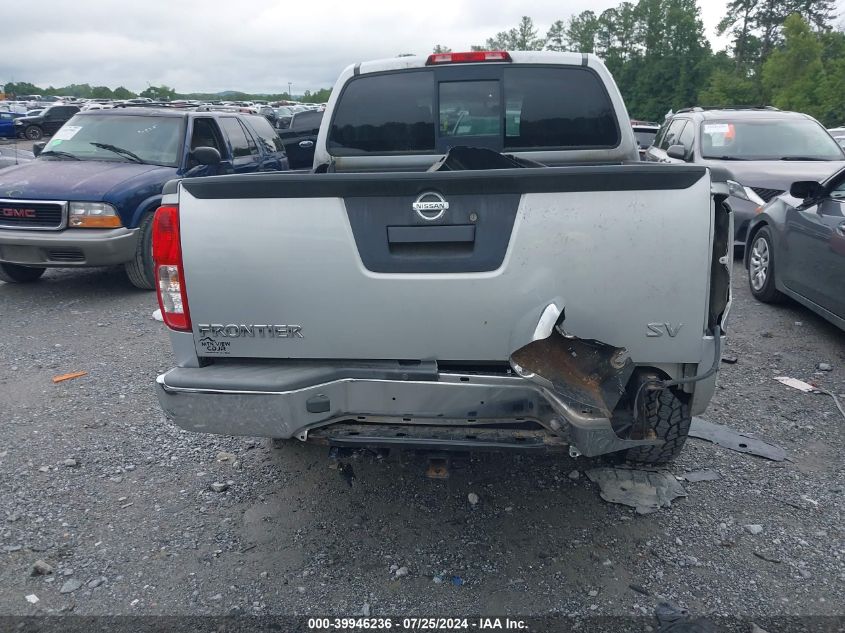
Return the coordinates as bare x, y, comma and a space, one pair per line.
430, 206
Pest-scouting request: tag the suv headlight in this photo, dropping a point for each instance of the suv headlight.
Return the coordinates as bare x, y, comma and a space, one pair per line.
93, 215
744, 193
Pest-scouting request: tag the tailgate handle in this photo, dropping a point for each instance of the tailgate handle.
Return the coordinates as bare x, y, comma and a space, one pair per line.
439, 234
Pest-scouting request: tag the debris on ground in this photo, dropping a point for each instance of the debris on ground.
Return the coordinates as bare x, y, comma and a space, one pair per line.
672, 619
824, 367
41, 568
402, 571
346, 473
800, 385
639, 589
71, 462
728, 438
767, 557
730, 360
574, 475
32, 598
754, 528
218, 486
223, 456
473, 499
70, 586
645, 490
71, 376
157, 315
701, 475
457, 581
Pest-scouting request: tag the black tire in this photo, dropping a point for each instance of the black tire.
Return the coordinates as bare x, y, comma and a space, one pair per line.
667, 418
761, 257
16, 274
140, 269
33, 133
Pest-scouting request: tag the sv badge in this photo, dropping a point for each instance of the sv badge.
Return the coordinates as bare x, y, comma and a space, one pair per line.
659, 329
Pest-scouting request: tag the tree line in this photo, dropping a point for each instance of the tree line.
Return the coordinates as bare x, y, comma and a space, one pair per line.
157, 93
785, 53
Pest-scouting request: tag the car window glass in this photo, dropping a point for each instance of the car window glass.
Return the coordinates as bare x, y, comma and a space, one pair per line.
385, 113
838, 190
253, 148
687, 137
673, 134
470, 108
266, 135
205, 134
658, 140
237, 137
768, 138
557, 107
306, 121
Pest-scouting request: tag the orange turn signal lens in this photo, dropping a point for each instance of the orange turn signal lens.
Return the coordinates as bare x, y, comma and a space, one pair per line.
95, 222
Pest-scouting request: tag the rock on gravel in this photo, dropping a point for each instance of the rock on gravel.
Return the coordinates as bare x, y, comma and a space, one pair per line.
70, 586
41, 568
218, 486
754, 529
473, 498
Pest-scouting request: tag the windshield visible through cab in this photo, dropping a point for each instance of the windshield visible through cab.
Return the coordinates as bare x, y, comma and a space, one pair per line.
153, 140
768, 139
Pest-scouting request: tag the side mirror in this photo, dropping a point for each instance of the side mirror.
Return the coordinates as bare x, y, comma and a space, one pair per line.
806, 190
206, 156
677, 151
37, 148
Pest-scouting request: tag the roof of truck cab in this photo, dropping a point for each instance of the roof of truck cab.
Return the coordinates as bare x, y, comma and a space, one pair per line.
517, 57
708, 115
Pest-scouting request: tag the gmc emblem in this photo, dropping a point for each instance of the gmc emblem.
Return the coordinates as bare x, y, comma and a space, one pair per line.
8, 212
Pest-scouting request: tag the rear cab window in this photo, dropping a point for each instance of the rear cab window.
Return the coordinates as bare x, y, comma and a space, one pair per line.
501, 107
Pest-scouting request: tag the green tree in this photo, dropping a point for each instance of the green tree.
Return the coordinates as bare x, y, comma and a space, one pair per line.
794, 75
556, 37
582, 31
101, 92
521, 38
159, 93
439, 48
122, 93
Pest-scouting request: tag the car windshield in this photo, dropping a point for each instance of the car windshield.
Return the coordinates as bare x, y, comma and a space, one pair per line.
768, 139
153, 140
645, 138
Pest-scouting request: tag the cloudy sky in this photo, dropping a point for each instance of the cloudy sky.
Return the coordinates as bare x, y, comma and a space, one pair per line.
254, 45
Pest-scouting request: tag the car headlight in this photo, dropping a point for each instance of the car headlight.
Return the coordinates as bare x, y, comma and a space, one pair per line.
744, 193
93, 215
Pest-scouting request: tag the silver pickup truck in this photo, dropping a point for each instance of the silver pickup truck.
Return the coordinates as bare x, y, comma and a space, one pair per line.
477, 262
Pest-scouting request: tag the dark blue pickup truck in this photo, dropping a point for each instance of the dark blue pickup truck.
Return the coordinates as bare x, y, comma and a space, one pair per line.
89, 197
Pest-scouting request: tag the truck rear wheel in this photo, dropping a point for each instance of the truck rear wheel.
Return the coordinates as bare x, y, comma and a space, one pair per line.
16, 274
140, 269
666, 418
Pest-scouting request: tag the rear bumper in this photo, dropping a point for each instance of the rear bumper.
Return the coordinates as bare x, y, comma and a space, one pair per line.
270, 400
68, 248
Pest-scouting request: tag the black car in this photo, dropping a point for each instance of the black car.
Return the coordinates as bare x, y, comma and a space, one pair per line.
300, 138
796, 248
765, 149
45, 124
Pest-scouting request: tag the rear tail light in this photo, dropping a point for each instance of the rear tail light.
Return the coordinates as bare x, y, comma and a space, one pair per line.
464, 58
169, 273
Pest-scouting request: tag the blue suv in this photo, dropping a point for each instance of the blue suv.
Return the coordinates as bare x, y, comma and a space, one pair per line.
89, 197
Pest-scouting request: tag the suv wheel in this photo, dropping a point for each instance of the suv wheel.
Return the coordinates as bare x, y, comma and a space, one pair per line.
140, 269
33, 133
761, 268
16, 274
666, 418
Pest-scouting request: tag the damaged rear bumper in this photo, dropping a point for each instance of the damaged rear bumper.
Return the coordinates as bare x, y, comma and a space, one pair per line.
392, 404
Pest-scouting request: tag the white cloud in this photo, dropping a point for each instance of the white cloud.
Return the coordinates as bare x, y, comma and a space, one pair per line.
255, 46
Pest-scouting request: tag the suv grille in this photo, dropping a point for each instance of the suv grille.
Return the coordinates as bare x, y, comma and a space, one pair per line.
767, 194
22, 214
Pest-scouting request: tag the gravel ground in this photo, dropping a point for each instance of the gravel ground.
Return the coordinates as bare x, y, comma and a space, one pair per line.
95, 483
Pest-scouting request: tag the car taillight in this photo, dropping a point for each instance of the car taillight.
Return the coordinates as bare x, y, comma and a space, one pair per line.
463, 58
169, 273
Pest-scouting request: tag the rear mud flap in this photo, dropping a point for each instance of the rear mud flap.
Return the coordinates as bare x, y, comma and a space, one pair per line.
583, 381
